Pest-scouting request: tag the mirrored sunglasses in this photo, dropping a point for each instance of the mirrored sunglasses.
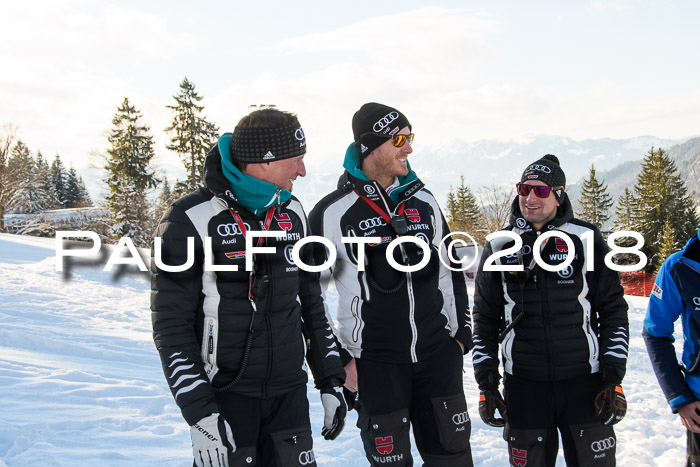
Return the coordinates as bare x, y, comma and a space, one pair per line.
399, 140
541, 191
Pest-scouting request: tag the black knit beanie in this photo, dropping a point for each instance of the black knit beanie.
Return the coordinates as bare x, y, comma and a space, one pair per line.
546, 169
373, 124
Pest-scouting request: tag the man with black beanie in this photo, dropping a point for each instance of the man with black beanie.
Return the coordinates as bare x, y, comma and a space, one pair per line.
402, 335
560, 317
232, 333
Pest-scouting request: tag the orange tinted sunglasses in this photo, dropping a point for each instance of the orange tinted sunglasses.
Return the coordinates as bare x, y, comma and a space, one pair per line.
399, 140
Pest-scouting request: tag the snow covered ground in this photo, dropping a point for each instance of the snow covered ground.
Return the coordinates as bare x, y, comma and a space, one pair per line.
81, 382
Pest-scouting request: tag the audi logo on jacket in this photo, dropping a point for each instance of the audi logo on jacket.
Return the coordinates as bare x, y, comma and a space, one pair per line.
201, 318
574, 322
385, 314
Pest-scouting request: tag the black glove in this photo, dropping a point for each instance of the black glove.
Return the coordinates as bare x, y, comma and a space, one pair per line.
335, 408
350, 398
610, 404
489, 401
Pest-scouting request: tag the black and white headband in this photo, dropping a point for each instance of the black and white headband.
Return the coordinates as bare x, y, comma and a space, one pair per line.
259, 145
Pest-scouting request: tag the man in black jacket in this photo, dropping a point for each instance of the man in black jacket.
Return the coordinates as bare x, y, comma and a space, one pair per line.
544, 293
402, 334
231, 323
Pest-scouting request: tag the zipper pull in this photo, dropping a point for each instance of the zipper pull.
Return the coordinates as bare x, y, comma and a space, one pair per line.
210, 341
278, 195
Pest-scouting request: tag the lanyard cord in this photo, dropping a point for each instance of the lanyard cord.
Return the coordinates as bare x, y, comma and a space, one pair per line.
268, 222
388, 220
261, 240
379, 210
251, 298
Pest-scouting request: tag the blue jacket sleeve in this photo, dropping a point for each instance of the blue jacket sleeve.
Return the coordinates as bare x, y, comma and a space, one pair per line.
665, 306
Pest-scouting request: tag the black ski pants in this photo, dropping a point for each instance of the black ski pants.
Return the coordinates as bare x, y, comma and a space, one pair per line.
693, 449
273, 432
538, 409
428, 395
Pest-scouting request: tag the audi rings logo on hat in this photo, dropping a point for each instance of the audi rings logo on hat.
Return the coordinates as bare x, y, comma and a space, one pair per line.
520, 223
460, 418
696, 300
307, 457
603, 444
230, 230
384, 122
299, 135
539, 168
371, 223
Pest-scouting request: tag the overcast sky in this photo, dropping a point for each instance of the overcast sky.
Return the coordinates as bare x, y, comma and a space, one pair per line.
457, 69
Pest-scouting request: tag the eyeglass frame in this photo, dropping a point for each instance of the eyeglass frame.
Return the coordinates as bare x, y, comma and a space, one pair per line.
408, 137
536, 189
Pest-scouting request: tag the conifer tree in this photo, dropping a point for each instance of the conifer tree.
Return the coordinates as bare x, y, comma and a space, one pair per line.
626, 218
59, 181
595, 201
77, 195
661, 194
45, 190
626, 212
463, 212
668, 244
191, 135
28, 195
165, 199
128, 174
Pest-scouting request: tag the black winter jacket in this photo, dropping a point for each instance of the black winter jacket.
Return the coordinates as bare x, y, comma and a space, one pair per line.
568, 323
201, 318
385, 314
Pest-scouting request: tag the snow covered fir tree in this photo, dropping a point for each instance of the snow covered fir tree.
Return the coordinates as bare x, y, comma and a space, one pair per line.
661, 198
595, 202
464, 213
129, 176
191, 136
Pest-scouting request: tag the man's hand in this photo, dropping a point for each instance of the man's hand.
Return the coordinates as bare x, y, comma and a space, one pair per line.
610, 404
690, 416
351, 376
211, 441
489, 401
461, 346
335, 409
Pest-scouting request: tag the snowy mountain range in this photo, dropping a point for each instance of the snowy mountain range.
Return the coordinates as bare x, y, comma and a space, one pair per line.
487, 162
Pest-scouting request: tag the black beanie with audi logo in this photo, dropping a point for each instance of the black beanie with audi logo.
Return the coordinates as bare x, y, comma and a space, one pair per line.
374, 124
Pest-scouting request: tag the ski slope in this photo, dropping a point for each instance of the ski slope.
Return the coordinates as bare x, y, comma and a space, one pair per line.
81, 382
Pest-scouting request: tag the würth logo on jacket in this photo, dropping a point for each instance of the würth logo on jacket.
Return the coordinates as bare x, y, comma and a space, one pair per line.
561, 245
284, 221
412, 215
384, 444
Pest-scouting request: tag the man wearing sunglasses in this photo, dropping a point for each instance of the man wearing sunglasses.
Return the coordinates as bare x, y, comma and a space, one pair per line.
402, 334
562, 330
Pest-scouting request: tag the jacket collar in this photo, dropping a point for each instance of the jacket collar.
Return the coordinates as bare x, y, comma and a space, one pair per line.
226, 181
355, 178
565, 213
